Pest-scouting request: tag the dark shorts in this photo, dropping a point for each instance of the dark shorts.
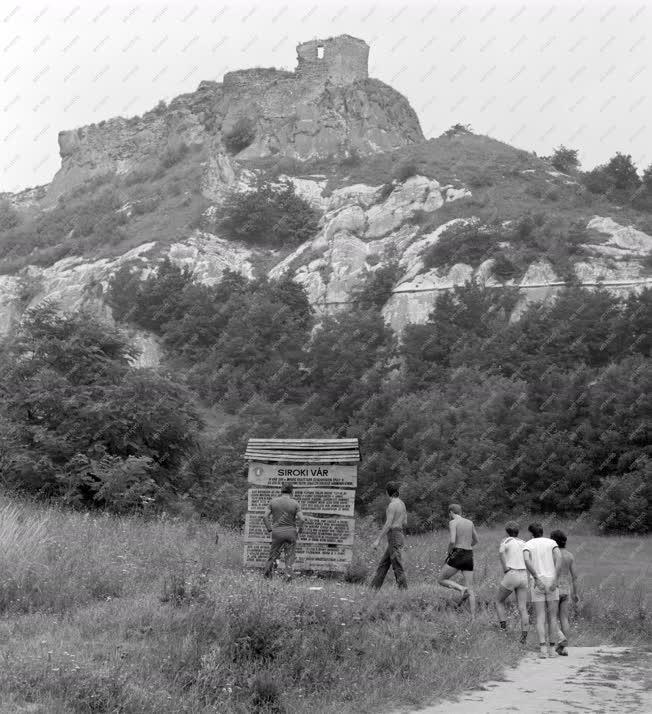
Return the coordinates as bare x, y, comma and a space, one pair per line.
460, 559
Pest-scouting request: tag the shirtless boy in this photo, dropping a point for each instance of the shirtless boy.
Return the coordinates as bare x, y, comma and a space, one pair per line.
395, 522
567, 583
460, 555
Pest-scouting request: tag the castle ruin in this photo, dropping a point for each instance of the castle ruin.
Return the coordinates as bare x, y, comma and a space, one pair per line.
327, 106
341, 60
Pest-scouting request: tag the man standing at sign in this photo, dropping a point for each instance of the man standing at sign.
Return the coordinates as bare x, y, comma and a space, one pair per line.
284, 520
395, 522
460, 555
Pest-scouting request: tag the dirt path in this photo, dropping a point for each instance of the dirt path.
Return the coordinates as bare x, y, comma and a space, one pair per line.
591, 680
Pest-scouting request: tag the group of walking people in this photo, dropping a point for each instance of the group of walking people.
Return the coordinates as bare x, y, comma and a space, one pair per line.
540, 570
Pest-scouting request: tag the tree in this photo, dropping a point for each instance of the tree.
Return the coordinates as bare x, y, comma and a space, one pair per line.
377, 288
82, 421
622, 171
350, 355
647, 179
240, 136
270, 214
564, 159
618, 175
622, 504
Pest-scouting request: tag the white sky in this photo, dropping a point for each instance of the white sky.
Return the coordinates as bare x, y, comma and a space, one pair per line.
533, 74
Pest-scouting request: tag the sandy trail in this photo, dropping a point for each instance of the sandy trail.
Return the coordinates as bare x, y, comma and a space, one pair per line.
590, 680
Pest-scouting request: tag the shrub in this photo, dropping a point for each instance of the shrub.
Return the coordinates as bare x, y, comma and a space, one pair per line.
97, 431
458, 129
564, 159
146, 205
647, 179
405, 171
503, 268
173, 154
618, 176
466, 244
240, 136
377, 287
385, 191
480, 180
272, 214
9, 217
352, 158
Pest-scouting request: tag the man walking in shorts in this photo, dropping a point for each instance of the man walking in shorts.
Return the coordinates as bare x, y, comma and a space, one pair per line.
542, 559
395, 522
460, 555
284, 520
514, 580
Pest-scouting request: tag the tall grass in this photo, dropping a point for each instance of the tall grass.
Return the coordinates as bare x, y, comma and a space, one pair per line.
107, 614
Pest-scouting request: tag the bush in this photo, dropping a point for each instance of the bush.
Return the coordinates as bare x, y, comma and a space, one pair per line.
462, 244
564, 159
480, 180
377, 287
146, 205
9, 217
405, 171
503, 268
385, 191
272, 215
240, 136
173, 154
617, 177
352, 158
97, 432
458, 129
622, 503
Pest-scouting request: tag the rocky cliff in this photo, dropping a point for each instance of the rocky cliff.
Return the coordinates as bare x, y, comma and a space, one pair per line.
328, 107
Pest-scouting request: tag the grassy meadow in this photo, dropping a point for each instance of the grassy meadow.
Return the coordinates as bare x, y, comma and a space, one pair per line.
108, 614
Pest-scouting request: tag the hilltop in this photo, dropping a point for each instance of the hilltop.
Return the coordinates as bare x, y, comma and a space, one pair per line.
439, 211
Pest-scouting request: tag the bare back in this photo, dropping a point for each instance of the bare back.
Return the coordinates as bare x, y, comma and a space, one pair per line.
463, 533
567, 561
396, 514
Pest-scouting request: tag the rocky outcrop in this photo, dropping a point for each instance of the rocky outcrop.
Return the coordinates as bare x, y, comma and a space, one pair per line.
75, 283
360, 232
328, 107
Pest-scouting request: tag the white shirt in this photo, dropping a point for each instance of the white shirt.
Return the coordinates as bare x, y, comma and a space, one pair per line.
541, 555
512, 550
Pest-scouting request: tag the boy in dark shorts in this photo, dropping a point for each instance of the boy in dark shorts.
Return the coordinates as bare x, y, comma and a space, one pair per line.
460, 555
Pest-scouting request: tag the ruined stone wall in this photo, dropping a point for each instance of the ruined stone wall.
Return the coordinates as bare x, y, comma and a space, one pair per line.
345, 60
253, 78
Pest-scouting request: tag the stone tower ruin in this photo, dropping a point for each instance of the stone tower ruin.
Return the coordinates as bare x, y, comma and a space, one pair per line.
342, 60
